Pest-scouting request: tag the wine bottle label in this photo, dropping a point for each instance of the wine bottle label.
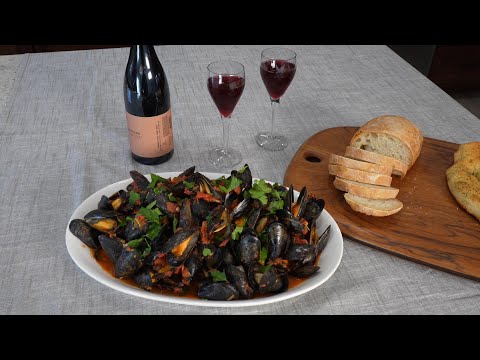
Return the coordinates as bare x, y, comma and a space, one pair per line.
150, 137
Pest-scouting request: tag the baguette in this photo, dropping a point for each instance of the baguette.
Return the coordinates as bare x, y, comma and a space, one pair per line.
360, 165
365, 190
359, 175
373, 207
399, 168
390, 135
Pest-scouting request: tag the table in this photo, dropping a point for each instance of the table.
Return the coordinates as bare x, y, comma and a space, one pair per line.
63, 136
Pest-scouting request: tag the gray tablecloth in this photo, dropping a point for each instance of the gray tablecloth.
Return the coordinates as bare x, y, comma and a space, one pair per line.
63, 136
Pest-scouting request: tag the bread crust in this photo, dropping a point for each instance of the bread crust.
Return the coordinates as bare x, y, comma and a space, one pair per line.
396, 126
360, 165
365, 191
368, 210
359, 175
463, 178
399, 168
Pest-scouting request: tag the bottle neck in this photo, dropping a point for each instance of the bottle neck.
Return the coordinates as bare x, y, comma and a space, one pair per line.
143, 54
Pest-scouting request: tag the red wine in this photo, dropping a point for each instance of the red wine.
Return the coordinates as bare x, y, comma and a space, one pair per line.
225, 92
277, 76
147, 103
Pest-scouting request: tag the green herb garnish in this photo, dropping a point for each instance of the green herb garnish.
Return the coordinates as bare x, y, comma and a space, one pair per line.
155, 180
275, 205
175, 224
260, 190
129, 218
133, 197
153, 231
122, 222
232, 184
206, 252
189, 185
135, 243
236, 233
263, 255
264, 269
218, 276
172, 198
152, 204
242, 169
151, 215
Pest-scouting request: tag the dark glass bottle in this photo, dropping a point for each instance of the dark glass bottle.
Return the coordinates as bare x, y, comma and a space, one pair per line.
147, 103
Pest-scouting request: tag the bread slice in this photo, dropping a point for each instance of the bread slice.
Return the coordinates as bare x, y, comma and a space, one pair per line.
360, 165
390, 135
399, 168
373, 207
359, 175
365, 190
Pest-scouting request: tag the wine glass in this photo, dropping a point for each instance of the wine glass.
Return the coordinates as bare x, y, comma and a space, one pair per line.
226, 81
277, 68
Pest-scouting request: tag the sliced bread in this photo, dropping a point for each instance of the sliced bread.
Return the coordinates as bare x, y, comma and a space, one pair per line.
365, 190
399, 168
359, 175
360, 165
390, 135
373, 207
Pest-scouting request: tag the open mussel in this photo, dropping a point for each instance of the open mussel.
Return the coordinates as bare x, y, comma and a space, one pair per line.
218, 220
219, 291
266, 281
103, 220
191, 267
114, 202
245, 176
179, 246
83, 231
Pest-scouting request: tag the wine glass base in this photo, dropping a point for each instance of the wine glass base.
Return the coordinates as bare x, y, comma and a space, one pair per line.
271, 142
225, 159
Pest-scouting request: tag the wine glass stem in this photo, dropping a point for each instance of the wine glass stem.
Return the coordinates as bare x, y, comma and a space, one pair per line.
226, 132
275, 105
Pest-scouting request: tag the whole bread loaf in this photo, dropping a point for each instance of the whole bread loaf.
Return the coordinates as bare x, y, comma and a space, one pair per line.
390, 135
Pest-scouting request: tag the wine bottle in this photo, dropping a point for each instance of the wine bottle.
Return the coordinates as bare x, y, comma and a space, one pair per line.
147, 104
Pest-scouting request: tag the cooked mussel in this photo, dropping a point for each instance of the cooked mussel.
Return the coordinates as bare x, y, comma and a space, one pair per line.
238, 278
186, 219
140, 182
135, 229
128, 263
83, 231
267, 281
278, 240
245, 176
248, 250
313, 209
305, 271
112, 246
219, 219
241, 208
145, 279
103, 220
219, 291
179, 246
191, 267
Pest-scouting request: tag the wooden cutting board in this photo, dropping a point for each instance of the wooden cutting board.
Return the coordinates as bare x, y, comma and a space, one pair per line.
431, 229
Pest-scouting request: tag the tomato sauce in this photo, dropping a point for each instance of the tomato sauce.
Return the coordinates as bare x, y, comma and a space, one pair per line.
191, 293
